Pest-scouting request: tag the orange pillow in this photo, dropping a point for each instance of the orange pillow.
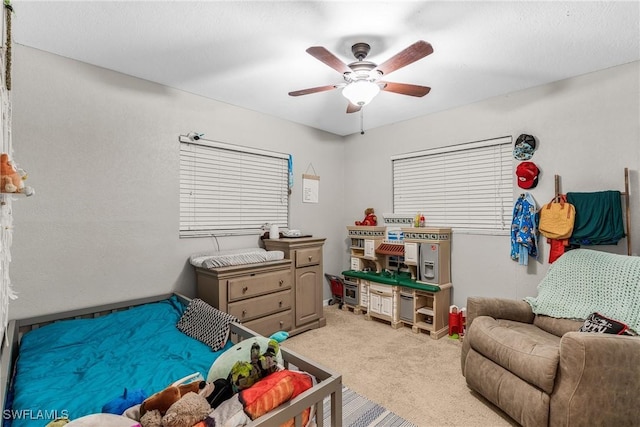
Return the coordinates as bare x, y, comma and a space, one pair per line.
274, 390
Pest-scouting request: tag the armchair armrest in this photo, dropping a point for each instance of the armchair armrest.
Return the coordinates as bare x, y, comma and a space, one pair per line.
597, 381
499, 308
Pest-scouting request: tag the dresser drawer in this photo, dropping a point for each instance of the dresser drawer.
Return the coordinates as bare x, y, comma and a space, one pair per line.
258, 284
310, 256
267, 326
250, 309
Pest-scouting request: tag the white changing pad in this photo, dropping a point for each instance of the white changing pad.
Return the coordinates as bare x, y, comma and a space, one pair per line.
234, 257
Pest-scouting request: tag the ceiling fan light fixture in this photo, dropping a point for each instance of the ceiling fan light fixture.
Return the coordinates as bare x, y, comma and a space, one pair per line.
360, 92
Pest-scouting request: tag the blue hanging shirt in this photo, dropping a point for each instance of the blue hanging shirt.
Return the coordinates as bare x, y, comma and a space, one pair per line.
524, 229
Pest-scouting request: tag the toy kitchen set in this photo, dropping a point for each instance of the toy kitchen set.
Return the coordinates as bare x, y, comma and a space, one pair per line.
400, 274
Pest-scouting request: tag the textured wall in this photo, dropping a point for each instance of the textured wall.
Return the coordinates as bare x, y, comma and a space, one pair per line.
588, 131
102, 152
102, 149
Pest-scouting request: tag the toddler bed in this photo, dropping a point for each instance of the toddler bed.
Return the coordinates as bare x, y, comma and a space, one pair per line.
71, 364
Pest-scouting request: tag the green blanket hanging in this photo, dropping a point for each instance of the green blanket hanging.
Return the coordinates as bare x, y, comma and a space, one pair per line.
598, 218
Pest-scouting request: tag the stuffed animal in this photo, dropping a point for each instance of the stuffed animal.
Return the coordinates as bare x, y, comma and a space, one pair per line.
241, 352
189, 410
162, 400
245, 374
11, 179
369, 218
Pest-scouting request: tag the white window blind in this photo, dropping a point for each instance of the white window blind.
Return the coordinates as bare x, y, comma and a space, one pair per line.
468, 187
231, 189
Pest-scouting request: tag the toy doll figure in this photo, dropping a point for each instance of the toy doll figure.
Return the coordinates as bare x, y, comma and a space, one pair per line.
369, 218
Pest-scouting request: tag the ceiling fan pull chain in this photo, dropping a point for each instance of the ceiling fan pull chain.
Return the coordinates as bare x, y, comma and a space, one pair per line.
362, 121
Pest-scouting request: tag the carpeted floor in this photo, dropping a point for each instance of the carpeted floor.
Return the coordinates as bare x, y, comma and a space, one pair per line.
412, 375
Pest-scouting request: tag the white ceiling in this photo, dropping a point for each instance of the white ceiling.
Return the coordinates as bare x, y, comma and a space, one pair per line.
252, 53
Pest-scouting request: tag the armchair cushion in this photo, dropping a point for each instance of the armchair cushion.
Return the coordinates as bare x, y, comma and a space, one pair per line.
521, 348
556, 326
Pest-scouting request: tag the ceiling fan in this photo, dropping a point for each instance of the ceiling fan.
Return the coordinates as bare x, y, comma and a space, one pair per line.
362, 79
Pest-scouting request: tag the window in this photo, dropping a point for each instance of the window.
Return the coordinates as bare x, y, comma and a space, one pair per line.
468, 187
228, 189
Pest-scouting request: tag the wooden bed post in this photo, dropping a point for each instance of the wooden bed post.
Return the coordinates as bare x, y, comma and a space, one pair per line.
628, 209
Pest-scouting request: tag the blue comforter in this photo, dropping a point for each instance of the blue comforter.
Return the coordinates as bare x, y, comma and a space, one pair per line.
73, 367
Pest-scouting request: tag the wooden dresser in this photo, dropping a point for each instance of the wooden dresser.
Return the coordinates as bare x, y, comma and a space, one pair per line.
305, 254
261, 295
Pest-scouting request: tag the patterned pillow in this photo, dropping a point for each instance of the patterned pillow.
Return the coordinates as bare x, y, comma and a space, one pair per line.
206, 323
596, 322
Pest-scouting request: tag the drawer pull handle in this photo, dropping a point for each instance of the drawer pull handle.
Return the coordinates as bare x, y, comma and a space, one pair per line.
244, 313
245, 289
310, 257
281, 323
280, 303
281, 282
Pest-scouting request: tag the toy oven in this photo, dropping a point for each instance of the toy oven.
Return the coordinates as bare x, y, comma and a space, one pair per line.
351, 292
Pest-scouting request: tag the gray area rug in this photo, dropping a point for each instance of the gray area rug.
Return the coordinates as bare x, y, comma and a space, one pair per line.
358, 411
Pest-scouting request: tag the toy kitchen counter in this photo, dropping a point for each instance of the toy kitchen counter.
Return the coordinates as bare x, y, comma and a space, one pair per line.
399, 300
399, 279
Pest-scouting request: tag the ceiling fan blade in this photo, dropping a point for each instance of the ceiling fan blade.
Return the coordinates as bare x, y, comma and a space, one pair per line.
312, 90
323, 55
405, 89
416, 51
352, 108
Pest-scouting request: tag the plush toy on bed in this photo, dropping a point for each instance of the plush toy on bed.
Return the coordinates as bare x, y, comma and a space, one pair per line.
185, 412
162, 400
245, 374
369, 218
177, 405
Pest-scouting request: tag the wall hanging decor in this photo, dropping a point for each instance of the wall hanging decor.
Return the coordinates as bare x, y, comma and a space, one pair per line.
310, 186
